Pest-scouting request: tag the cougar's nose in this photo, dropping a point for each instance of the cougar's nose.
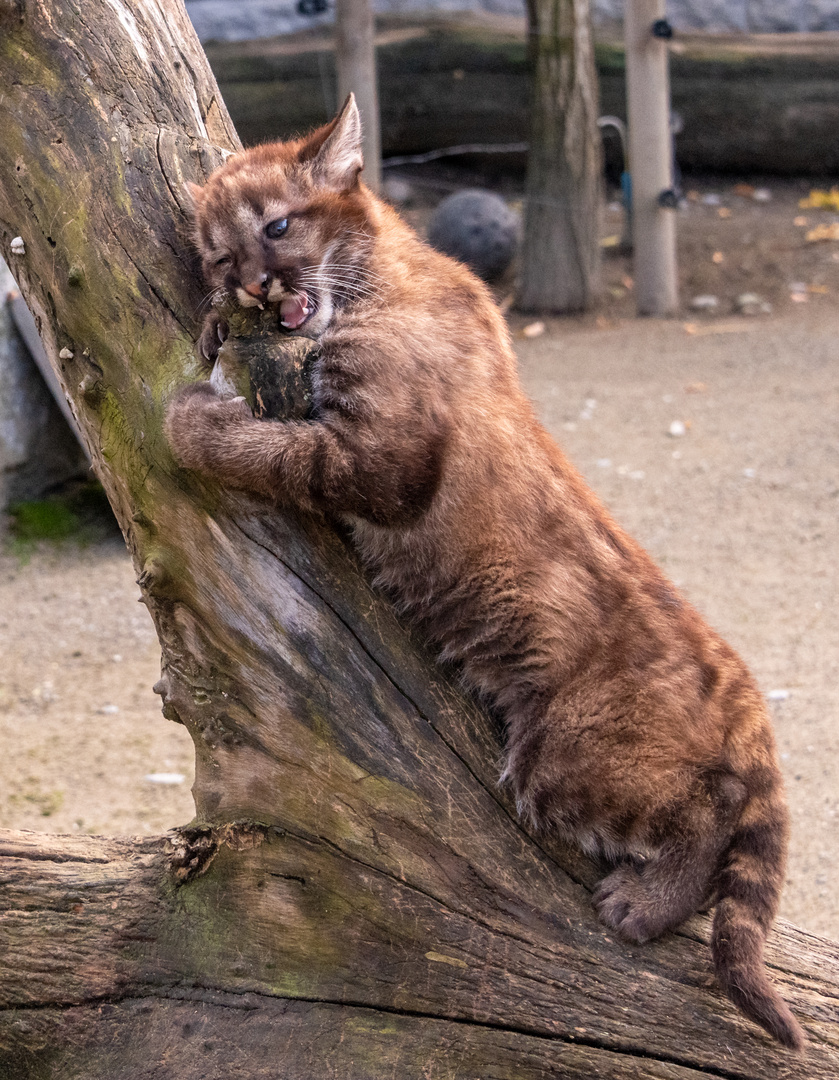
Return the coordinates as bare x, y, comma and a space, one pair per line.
259, 288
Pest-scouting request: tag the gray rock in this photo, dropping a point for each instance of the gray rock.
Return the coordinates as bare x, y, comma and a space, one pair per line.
752, 304
37, 449
478, 228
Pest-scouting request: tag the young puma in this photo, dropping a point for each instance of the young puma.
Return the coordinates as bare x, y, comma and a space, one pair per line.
631, 726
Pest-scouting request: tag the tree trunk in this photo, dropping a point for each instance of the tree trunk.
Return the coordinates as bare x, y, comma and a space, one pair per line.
355, 62
356, 898
561, 250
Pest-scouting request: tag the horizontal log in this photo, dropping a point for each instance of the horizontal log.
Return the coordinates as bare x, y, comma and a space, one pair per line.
760, 103
130, 958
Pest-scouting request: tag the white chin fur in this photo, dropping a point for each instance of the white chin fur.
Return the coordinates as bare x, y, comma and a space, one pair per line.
246, 300
321, 318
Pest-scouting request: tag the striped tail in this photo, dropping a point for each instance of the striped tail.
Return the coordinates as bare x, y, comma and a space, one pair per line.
749, 887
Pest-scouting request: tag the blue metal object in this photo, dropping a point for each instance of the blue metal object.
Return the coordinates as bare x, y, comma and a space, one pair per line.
312, 7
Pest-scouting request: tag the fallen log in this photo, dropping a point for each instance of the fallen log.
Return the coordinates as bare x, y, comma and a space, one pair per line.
356, 897
762, 103
254, 951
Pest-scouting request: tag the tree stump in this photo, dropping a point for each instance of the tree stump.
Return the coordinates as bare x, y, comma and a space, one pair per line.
356, 897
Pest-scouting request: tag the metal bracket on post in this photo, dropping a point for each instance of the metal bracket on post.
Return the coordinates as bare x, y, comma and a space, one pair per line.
662, 28
669, 199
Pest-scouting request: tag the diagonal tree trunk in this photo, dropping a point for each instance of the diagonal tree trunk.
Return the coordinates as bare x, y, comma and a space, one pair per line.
356, 898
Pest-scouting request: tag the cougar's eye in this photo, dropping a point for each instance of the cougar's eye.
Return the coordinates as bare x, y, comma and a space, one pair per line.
276, 228
225, 260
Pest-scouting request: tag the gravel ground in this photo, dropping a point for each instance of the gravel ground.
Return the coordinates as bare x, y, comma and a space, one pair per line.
740, 510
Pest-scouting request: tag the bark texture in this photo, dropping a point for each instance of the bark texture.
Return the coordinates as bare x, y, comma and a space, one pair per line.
356, 898
561, 250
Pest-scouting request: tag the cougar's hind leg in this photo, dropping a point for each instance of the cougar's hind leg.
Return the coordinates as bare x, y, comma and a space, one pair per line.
641, 899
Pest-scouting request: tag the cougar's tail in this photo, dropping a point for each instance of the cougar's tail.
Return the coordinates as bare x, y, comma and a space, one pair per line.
749, 887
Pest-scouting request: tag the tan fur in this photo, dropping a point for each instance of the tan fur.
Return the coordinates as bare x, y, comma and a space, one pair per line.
631, 726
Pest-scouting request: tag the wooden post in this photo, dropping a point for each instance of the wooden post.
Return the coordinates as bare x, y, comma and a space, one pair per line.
355, 60
650, 159
560, 269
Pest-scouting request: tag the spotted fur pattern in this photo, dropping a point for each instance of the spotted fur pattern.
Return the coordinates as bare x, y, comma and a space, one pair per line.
631, 726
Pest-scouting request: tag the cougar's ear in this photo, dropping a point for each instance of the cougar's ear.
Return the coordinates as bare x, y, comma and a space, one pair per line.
338, 161
194, 196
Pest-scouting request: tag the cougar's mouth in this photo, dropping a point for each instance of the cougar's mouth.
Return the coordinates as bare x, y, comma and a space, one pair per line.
296, 310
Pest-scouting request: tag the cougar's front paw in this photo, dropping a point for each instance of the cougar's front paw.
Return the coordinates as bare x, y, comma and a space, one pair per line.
213, 335
201, 426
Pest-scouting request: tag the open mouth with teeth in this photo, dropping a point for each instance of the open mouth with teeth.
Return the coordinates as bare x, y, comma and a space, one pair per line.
296, 310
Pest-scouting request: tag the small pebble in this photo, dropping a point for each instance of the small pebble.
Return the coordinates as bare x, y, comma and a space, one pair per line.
533, 329
165, 778
752, 304
677, 429
65, 354
604, 463
397, 190
778, 695
109, 710
750, 474
762, 194
705, 302
18, 246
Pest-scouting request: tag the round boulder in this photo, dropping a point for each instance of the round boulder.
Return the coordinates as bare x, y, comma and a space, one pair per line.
478, 228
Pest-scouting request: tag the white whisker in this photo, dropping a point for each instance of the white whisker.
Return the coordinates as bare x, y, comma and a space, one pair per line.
210, 298
344, 272
332, 280
339, 284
